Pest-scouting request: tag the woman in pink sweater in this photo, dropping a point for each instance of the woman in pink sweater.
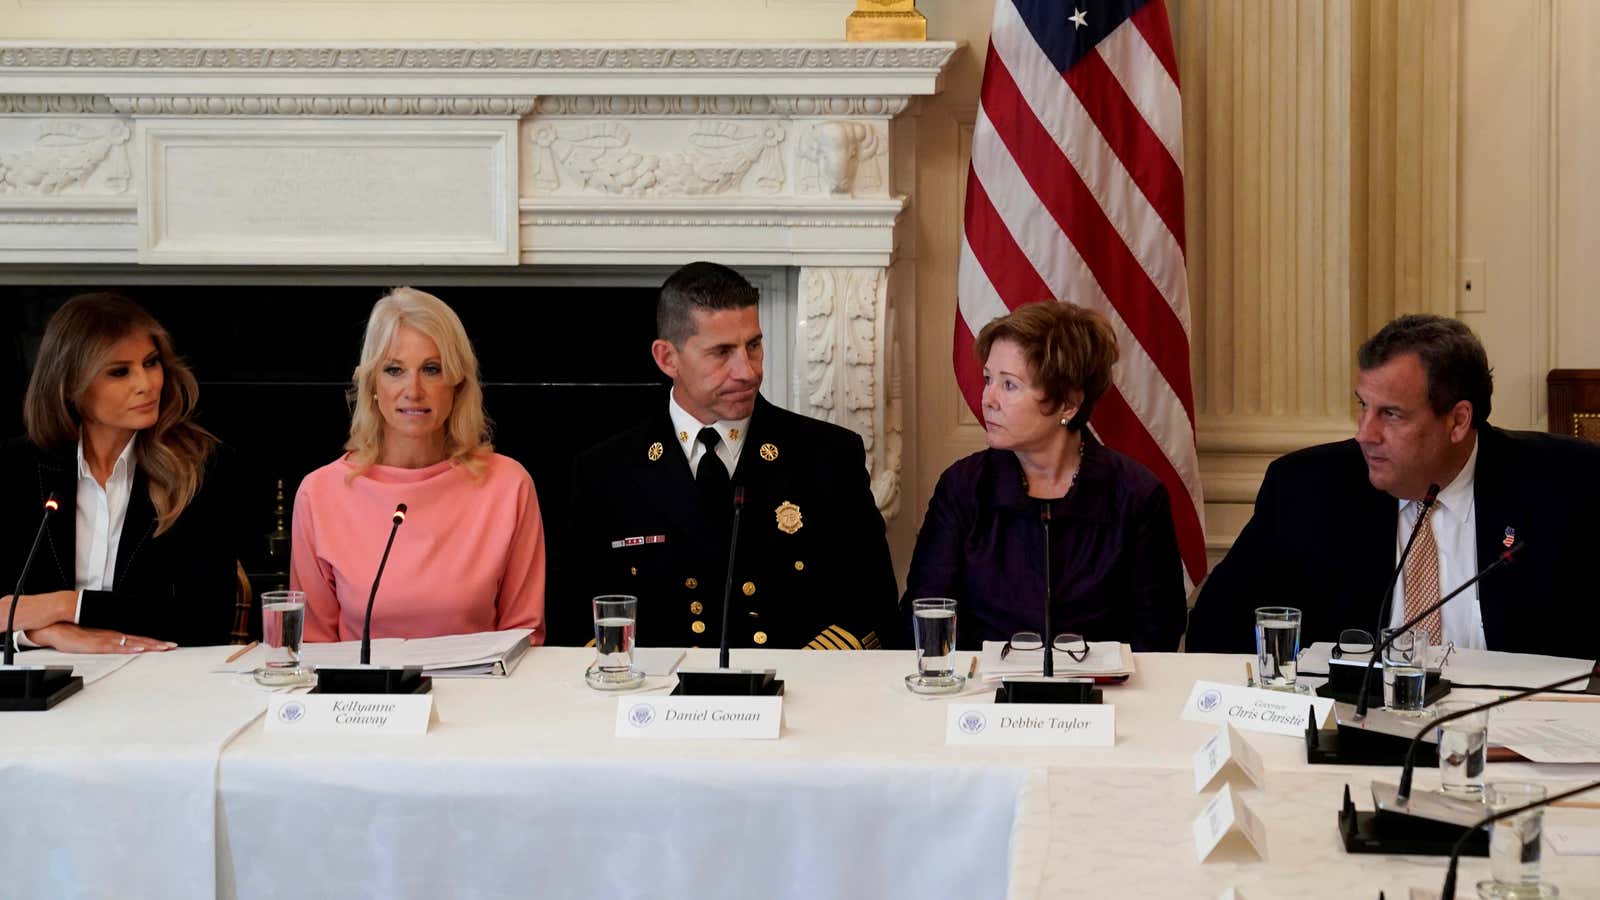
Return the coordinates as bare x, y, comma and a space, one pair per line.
470, 556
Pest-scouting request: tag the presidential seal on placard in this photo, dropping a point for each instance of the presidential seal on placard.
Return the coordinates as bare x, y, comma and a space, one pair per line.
654, 452
789, 518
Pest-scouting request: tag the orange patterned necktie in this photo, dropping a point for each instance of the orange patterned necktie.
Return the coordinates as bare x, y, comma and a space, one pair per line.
1422, 583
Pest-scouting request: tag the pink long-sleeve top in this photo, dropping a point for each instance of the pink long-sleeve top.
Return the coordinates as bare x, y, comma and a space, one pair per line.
469, 557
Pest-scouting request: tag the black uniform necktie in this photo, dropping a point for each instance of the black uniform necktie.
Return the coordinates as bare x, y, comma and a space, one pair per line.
716, 489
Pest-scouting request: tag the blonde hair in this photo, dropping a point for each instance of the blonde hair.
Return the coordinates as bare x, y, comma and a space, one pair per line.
467, 430
79, 337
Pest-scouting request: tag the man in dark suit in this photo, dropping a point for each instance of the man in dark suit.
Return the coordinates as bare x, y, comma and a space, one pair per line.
1330, 521
652, 508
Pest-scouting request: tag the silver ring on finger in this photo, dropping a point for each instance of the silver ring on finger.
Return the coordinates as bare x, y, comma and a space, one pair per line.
122, 641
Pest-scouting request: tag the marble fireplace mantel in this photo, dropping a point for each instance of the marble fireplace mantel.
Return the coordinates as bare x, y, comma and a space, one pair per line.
576, 155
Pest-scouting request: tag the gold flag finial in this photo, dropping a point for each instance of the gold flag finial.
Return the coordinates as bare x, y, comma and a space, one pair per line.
886, 20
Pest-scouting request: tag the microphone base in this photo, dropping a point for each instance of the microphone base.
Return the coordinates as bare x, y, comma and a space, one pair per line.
37, 688
1388, 832
1344, 685
1047, 691
729, 683
1347, 745
373, 680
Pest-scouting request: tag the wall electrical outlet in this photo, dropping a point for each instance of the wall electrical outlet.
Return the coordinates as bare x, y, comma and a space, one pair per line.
1472, 288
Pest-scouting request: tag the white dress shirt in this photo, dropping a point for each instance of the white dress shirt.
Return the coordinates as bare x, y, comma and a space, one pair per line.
687, 428
1455, 531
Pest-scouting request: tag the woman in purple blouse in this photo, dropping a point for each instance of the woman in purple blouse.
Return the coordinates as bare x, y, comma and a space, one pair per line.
1114, 565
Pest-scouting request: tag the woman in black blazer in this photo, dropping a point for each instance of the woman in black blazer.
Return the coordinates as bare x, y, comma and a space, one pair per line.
140, 554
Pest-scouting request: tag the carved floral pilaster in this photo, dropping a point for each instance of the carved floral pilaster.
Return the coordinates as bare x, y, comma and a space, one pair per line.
848, 356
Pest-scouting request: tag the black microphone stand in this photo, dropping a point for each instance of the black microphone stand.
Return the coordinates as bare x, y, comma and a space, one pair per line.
1355, 742
1504, 558
1448, 892
1404, 792
725, 681
367, 678
1049, 690
1431, 498
32, 688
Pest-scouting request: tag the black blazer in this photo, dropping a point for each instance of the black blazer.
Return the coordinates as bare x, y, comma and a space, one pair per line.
1323, 539
827, 583
179, 586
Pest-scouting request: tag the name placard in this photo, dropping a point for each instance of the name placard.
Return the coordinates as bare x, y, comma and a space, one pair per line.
1031, 724
1226, 820
350, 713
690, 718
1254, 709
1227, 757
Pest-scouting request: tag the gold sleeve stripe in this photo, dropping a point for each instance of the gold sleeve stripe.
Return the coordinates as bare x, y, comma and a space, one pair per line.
815, 646
870, 642
845, 639
828, 642
591, 643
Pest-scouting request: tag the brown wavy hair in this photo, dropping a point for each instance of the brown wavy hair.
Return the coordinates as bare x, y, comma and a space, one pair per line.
1068, 349
172, 453
467, 431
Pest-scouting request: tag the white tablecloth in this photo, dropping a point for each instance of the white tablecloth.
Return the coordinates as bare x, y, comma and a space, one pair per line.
521, 791
113, 792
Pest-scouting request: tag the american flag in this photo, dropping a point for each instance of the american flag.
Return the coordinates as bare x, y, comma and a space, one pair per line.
1076, 194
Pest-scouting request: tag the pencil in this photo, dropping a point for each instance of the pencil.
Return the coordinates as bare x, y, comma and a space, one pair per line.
1578, 804
1249, 674
972, 670
242, 651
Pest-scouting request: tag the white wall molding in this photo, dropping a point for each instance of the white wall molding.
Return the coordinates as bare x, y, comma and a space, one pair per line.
774, 157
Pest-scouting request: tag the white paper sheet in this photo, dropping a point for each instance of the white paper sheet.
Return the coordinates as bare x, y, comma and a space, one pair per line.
1549, 741
473, 654
1105, 658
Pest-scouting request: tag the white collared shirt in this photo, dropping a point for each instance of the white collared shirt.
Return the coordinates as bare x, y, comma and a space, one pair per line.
1455, 531
687, 430
101, 514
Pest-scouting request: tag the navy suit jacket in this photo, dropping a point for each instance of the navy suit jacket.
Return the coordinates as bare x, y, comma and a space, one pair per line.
1322, 539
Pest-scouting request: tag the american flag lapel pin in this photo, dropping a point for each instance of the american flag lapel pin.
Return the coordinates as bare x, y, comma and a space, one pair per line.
1511, 536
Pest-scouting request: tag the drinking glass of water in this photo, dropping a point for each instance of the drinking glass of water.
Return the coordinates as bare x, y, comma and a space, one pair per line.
283, 620
1463, 749
1277, 647
933, 624
615, 617
1515, 843
1404, 679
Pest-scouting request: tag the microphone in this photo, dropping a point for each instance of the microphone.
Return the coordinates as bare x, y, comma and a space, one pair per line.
33, 688
1049, 636
1047, 689
366, 678
1388, 594
727, 584
1404, 792
1448, 892
51, 504
366, 626
724, 681
1504, 558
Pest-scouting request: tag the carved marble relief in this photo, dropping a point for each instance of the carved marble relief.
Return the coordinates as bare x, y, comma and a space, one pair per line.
65, 156
715, 157
845, 333
842, 158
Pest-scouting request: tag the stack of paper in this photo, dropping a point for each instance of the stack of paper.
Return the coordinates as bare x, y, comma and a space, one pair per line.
487, 653
1106, 659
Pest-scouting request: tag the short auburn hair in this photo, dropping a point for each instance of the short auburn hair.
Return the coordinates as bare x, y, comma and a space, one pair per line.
1068, 348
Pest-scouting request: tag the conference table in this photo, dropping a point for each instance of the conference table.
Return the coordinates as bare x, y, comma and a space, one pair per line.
160, 780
